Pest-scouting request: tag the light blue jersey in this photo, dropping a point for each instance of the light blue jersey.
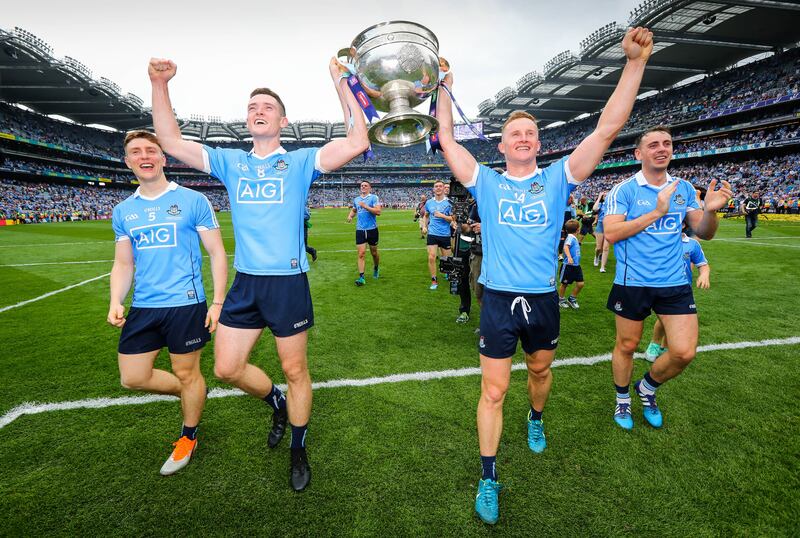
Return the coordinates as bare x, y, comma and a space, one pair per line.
692, 254
166, 245
437, 225
267, 196
364, 219
521, 220
571, 243
654, 256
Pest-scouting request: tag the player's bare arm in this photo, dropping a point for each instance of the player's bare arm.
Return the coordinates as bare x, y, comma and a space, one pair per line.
460, 161
338, 153
169, 136
212, 242
121, 282
638, 45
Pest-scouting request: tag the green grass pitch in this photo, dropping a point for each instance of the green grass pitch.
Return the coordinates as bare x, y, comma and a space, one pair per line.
401, 459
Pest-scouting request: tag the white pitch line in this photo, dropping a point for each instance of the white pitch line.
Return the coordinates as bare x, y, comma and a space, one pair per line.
33, 408
50, 294
110, 241
54, 263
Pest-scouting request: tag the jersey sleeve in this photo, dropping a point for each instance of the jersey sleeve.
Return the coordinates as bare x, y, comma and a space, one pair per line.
618, 200
375, 200
116, 225
204, 217
428, 207
214, 162
697, 256
310, 163
448, 208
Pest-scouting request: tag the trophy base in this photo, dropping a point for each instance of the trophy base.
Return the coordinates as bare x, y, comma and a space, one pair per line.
402, 129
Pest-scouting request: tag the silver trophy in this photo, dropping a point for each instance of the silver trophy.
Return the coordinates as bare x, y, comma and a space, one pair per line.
397, 64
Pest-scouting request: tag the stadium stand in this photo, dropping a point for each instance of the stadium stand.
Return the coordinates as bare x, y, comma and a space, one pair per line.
742, 124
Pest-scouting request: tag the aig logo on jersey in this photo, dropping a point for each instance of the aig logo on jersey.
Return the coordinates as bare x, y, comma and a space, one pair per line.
668, 224
518, 213
260, 191
155, 236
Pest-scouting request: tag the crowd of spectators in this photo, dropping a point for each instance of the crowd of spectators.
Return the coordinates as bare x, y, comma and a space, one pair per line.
784, 133
772, 77
50, 202
777, 179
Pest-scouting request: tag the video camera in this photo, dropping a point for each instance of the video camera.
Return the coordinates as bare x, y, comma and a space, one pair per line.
455, 268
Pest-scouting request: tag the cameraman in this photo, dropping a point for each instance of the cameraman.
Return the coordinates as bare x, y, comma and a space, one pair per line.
473, 252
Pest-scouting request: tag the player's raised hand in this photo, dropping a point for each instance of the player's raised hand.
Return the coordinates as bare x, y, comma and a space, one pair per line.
116, 315
448, 79
716, 199
161, 69
665, 197
337, 68
638, 44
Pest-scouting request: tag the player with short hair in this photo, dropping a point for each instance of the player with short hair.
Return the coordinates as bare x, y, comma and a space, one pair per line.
438, 217
367, 208
571, 271
268, 188
158, 231
644, 217
521, 219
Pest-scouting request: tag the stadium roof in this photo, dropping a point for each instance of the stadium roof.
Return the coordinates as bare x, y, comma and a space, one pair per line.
693, 37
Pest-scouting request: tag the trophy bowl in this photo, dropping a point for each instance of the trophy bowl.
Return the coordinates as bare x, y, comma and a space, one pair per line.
397, 64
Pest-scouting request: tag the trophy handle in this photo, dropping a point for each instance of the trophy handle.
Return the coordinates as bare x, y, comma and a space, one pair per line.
344, 53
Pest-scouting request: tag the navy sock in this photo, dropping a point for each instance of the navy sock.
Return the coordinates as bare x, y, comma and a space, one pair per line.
189, 431
489, 467
374, 267
299, 436
650, 381
536, 415
361, 275
622, 392
275, 398
433, 279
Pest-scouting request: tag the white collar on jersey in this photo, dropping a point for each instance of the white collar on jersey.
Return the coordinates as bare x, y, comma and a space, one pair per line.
529, 176
642, 181
685, 238
171, 186
279, 151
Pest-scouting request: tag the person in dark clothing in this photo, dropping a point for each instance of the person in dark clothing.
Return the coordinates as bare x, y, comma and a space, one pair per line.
751, 207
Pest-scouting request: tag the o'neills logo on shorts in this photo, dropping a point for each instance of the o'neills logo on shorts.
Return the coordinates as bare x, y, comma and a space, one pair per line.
195, 341
618, 306
300, 324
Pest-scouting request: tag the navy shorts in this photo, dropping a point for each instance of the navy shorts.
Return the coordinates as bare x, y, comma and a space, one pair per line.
441, 241
586, 229
181, 329
280, 302
570, 274
635, 302
367, 236
508, 317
